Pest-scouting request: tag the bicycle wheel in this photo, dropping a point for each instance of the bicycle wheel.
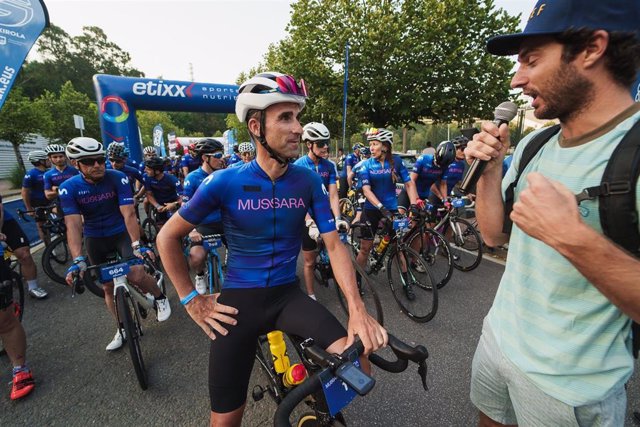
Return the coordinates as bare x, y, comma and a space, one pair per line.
130, 323
92, 282
56, 259
367, 293
310, 419
424, 304
435, 252
215, 274
150, 229
466, 245
347, 209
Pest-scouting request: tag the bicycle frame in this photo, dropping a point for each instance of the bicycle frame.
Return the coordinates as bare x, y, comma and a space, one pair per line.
211, 243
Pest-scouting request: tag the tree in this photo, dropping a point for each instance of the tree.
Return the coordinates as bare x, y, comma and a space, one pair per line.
76, 59
409, 59
202, 123
147, 120
20, 118
63, 107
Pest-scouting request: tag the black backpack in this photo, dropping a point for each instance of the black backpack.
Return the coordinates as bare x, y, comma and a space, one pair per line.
616, 194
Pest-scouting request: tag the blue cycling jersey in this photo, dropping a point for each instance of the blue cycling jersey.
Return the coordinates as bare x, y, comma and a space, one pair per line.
235, 165
165, 190
34, 180
262, 219
454, 174
233, 159
357, 181
191, 184
325, 168
132, 163
99, 204
428, 174
351, 160
53, 177
132, 173
379, 178
190, 162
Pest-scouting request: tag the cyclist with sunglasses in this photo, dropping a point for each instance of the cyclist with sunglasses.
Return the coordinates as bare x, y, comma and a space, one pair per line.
455, 171
211, 153
317, 137
57, 174
98, 204
190, 161
116, 152
349, 162
235, 157
263, 204
247, 153
163, 190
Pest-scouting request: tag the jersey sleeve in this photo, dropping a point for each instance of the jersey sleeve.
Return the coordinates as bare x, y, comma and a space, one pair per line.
147, 183
320, 208
363, 175
418, 165
204, 200
67, 200
47, 181
402, 169
188, 189
333, 172
27, 181
179, 188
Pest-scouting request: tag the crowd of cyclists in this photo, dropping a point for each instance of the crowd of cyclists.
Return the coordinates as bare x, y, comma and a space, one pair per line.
98, 190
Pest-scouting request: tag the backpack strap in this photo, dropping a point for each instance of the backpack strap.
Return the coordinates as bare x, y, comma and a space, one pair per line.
529, 152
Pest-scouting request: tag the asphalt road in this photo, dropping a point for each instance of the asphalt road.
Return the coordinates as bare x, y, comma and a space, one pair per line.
79, 383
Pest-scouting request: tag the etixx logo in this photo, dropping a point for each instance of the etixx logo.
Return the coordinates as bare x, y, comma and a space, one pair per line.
15, 13
160, 88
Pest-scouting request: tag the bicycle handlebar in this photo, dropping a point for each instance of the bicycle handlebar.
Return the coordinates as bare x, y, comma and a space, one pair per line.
403, 352
38, 212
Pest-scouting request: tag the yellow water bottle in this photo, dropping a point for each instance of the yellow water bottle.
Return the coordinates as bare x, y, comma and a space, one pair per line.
383, 243
294, 375
278, 351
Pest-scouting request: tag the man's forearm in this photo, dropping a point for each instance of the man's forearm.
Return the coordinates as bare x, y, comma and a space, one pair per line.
74, 235
490, 208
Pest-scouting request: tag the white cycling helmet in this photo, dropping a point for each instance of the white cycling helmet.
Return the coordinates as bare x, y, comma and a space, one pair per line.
266, 89
82, 146
149, 150
36, 156
315, 132
380, 134
54, 149
246, 147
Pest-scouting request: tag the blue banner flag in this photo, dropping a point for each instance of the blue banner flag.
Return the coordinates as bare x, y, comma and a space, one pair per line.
158, 140
635, 90
21, 23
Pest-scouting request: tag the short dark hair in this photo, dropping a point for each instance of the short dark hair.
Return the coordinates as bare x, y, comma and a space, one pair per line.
622, 57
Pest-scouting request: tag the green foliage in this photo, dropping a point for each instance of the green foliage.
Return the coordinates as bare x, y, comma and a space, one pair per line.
242, 133
409, 59
16, 177
147, 120
20, 118
76, 59
203, 123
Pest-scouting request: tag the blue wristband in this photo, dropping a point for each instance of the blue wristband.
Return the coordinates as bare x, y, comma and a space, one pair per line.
186, 300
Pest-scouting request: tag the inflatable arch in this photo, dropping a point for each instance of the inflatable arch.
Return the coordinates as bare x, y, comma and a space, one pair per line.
120, 97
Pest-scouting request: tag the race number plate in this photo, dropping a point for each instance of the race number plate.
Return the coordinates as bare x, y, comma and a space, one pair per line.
110, 272
214, 242
401, 224
336, 391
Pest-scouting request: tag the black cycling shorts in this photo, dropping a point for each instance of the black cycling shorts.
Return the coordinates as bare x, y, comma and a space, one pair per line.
100, 249
261, 310
308, 244
344, 187
373, 216
15, 236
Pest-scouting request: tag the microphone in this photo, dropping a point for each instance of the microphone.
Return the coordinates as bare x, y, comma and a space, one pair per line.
503, 113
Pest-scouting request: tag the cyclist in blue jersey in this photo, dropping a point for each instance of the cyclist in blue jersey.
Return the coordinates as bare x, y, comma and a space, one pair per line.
116, 153
456, 169
163, 190
356, 182
211, 153
190, 161
317, 137
349, 162
437, 191
235, 157
12, 334
379, 176
263, 206
98, 204
57, 174
247, 153
33, 185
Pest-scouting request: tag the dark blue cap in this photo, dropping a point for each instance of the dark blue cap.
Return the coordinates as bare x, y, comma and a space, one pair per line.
556, 16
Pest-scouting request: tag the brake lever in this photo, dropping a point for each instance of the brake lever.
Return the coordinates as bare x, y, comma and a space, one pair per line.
422, 371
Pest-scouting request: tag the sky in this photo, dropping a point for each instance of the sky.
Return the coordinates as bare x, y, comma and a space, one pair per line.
216, 39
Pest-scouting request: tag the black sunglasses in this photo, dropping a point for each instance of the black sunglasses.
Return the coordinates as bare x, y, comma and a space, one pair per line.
92, 161
116, 160
321, 144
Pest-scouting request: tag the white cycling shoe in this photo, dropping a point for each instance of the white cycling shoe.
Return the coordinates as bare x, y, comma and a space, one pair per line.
117, 342
163, 309
201, 284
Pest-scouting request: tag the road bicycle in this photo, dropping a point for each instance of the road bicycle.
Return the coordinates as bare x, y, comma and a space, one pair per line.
215, 263
56, 257
323, 274
348, 205
150, 225
17, 288
464, 240
411, 282
132, 305
330, 382
433, 249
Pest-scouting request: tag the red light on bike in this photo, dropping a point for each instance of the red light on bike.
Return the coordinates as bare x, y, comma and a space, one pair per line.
298, 373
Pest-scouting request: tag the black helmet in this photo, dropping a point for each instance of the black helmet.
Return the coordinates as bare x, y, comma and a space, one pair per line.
155, 163
460, 142
445, 154
208, 145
